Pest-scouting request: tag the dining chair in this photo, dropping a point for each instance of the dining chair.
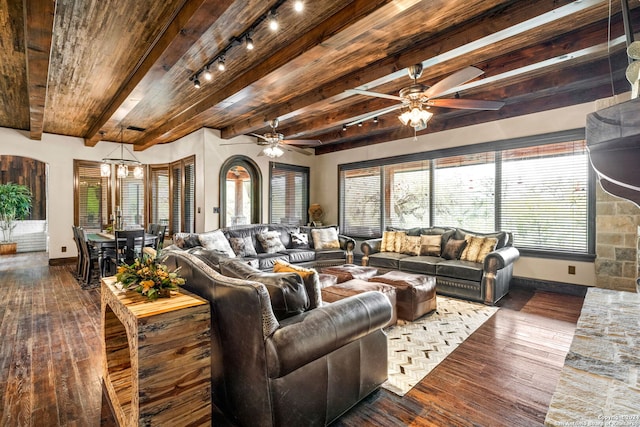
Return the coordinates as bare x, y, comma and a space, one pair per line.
159, 231
80, 262
129, 244
90, 258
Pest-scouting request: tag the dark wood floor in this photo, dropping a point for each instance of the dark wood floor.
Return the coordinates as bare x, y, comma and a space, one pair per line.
50, 359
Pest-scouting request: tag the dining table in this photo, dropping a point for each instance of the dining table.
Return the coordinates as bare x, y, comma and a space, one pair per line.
104, 240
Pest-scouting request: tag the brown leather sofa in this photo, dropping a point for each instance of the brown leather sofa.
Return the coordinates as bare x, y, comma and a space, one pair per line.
305, 368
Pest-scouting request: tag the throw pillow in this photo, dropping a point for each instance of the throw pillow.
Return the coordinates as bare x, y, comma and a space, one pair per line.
325, 238
411, 245
299, 240
215, 240
243, 246
397, 244
309, 276
430, 244
478, 248
270, 241
186, 240
388, 241
453, 249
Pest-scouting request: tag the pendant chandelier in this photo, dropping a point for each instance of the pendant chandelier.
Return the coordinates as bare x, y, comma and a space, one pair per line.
122, 164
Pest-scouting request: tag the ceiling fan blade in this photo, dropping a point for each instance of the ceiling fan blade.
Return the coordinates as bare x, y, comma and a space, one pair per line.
466, 104
239, 143
307, 142
296, 149
259, 136
455, 79
373, 114
376, 94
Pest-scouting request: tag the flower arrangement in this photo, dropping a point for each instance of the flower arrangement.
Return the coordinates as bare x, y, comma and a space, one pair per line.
149, 276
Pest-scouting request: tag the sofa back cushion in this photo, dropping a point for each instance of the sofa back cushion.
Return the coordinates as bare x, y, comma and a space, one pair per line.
286, 290
502, 236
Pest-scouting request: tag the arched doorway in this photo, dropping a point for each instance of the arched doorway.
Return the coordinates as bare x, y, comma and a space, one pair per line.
240, 192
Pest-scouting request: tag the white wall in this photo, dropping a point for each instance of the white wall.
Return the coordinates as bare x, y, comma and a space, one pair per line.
324, 176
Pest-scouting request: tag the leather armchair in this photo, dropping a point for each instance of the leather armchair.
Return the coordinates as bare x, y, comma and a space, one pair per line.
306, 369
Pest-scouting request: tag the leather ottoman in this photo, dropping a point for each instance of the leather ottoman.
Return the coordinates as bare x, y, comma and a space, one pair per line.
350, 271
416, 293
358, 286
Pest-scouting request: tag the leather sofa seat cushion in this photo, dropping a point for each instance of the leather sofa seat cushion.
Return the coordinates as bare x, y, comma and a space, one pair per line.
266, 261
286, 290
420, 264
386, 260
465, 270
301, 255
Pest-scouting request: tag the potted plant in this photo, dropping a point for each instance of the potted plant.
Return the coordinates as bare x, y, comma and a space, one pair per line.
15, 204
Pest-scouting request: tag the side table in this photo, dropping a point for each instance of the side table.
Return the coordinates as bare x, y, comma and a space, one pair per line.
156, 366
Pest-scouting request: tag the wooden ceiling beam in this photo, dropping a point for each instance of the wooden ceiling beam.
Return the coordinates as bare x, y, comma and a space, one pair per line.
347, 16
513, 65
39, 15
456, 43
189, 22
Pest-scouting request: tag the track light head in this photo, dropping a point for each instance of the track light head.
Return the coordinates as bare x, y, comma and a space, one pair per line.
273, 20
249, 43
196, 83
344, 128
207, 74
221, 65
298, 6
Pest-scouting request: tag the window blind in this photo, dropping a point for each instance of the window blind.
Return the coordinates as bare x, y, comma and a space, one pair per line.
131, 201
289, 194
91, 194
159, 212
189, 202
408, 202
360, 202
544, 196
464, 192
176, 198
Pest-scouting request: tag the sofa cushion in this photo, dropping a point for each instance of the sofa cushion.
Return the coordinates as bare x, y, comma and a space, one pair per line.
431, 244
411, 245
325, 238
420, 264
453, 249
243, 246
266, 261
502, 236
216, 240
386, 259
310, 277
270, 241
300, 240
287, 291
465, 270
477, 248
301, 255
186, 240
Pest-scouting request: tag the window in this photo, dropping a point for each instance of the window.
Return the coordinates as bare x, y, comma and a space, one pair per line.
540, 188
130, 200
464, 192
288, 194
544, 196
182, 196
360, 201
240, 191
91, 196
159, 201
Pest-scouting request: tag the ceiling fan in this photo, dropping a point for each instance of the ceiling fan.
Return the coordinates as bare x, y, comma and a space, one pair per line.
416, 99
274, 142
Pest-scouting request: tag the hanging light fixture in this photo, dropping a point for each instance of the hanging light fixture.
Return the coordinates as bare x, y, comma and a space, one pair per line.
122, 164
273, 151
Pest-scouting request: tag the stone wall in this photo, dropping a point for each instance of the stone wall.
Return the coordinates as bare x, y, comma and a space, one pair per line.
617, 222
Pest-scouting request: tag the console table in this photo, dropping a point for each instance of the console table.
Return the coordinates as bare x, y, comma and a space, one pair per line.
600, 381
156, 366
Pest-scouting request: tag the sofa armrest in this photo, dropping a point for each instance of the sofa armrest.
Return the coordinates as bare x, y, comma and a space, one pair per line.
346, 243
315, 333
501, 258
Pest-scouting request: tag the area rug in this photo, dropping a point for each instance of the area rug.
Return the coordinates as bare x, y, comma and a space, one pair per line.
415, 348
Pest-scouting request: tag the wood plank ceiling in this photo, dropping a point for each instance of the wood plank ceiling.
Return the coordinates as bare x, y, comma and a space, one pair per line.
91, 68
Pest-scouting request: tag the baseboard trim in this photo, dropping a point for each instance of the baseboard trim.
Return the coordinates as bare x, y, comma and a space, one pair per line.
62, 261
549, 286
